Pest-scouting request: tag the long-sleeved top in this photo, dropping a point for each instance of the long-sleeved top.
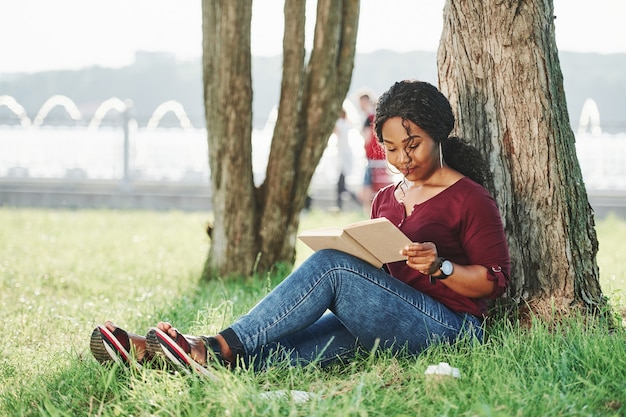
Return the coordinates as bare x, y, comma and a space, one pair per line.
464, 222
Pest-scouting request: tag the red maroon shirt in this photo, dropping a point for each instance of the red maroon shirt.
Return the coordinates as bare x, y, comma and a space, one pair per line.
464, 223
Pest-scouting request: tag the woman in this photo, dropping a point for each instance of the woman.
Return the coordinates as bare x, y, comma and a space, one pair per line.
334, 304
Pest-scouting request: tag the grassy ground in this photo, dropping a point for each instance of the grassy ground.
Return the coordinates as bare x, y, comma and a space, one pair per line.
63, 272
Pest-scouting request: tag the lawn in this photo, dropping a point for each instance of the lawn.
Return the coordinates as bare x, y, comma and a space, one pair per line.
63, 272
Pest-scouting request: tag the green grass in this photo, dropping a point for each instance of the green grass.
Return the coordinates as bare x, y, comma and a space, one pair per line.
611, 259
63, 272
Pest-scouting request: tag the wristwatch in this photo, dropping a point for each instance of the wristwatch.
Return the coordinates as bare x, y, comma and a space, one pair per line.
446, 268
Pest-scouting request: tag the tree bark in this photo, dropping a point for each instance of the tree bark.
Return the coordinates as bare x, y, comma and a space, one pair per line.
498, 64
227, 77
311, 98
255, 228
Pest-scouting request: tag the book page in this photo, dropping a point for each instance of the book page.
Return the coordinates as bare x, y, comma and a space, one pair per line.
376, 241
336, 238
380, 237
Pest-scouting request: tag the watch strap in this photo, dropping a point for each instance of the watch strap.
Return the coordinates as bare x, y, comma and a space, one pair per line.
442, 275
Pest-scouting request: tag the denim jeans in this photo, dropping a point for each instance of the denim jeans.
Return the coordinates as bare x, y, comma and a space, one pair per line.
334, 304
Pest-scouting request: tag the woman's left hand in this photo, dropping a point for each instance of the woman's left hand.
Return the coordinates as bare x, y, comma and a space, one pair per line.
422, 257
469, 280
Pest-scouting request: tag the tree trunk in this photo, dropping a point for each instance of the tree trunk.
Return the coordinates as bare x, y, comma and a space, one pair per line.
227, 77
310, 102
498, 63
256, 228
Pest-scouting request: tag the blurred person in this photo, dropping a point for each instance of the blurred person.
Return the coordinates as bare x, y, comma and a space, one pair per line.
344, 157
377, 175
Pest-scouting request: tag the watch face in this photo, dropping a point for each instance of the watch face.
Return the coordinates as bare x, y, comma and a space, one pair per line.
446, 267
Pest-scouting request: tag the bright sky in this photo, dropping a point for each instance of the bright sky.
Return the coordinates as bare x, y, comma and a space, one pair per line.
68, 34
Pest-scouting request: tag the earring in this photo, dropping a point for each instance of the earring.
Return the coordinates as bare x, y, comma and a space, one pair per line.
440, 156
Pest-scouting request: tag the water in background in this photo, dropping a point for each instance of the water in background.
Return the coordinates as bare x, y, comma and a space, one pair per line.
154, 155
181, 155
104, 163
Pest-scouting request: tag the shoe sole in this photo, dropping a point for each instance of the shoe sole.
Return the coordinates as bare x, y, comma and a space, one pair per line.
159, 343
107, 349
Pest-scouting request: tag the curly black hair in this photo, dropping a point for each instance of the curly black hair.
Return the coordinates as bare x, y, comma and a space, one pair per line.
423, 104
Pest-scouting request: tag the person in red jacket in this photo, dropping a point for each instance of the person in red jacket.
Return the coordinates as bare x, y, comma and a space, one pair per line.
377, 174
334, 304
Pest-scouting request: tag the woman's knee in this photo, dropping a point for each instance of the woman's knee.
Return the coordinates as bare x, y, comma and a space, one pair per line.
333, 258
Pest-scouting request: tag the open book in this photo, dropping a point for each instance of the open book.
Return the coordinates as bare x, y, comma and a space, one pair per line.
377, 241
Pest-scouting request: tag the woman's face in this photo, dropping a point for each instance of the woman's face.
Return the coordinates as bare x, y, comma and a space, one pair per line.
414, 153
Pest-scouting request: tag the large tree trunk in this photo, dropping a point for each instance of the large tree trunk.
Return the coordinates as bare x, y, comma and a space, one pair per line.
256, 228
498, 64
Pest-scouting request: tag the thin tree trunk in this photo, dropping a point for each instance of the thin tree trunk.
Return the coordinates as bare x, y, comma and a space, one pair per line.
306, 118
498, 64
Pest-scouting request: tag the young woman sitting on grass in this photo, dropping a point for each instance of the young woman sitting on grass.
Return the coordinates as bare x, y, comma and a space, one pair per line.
334, 303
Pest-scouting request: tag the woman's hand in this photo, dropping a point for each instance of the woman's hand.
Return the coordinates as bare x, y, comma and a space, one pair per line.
422, 257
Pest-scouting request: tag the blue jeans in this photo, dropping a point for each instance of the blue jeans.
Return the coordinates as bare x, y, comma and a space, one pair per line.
334, 304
